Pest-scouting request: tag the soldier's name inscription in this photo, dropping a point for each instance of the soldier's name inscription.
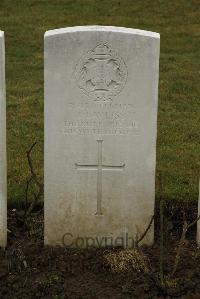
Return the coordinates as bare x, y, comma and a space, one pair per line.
101, 119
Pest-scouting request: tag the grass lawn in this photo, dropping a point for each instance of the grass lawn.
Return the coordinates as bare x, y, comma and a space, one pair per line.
178, 22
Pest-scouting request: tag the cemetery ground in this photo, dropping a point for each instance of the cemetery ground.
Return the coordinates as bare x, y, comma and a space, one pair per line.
27, 268
30, 270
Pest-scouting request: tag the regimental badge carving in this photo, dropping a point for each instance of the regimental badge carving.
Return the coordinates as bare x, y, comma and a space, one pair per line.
101, 73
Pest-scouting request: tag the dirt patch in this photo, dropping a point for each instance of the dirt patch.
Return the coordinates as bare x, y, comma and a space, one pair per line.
30, 270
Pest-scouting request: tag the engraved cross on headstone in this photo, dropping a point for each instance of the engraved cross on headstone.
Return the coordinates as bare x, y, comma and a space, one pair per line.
100, 167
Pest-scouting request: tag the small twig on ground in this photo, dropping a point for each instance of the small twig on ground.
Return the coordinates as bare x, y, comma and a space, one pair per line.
35, 179
34, 176
161, 228
26, 192
145, 232
182, 242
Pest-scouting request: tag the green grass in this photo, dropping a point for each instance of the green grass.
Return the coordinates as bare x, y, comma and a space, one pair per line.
24, 23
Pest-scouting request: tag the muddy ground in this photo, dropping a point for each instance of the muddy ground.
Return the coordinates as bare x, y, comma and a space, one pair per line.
30, 270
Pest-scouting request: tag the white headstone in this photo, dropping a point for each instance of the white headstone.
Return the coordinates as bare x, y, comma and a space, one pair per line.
3, 186
198, 223
101, 96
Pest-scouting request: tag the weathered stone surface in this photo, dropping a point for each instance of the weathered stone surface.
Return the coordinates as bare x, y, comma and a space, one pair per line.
101, 96
3, 186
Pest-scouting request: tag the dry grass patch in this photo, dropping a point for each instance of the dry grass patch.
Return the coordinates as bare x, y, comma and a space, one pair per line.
127, 261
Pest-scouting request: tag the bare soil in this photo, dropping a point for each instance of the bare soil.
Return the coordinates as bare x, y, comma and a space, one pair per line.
28, 269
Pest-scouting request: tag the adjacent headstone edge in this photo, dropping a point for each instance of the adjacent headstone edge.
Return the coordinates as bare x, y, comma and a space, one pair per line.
198, 223
3, 193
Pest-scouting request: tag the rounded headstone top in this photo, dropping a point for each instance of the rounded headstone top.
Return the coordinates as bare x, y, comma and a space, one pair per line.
103, 29
1, 33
